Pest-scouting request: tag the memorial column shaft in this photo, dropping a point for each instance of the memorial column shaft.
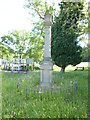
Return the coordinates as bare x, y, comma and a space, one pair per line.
47, 47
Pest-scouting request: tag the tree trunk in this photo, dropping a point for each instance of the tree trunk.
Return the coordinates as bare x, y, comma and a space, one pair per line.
62, 70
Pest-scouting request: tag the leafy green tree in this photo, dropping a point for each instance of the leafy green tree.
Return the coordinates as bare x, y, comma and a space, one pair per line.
5, 51
26, 44
65, 30
85, 54
36, 42
39, 8
17, 40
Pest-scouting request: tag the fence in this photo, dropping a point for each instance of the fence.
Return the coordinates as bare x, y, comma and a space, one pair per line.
17, 64
40, 102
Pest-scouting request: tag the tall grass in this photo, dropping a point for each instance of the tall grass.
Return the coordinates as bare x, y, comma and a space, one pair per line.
19, 101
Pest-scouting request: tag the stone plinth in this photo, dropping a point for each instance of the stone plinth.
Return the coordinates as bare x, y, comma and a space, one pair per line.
46, 67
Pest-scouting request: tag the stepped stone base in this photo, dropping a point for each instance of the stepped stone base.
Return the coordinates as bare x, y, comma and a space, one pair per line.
46, 67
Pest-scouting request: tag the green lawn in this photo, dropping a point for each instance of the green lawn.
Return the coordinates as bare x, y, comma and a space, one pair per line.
24, 103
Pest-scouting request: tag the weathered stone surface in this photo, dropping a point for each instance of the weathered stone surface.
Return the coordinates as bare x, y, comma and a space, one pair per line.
46, 73
46, 65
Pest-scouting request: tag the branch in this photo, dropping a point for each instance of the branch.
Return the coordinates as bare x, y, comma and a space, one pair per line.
38, 13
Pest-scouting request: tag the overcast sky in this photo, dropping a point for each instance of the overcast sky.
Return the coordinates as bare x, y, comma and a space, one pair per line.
14, 16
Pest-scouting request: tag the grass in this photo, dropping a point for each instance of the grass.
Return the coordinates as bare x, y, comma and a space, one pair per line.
23, 103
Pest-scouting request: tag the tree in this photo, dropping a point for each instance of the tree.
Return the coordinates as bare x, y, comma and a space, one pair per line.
17, 40
37, 42
5, 51
25, 43
39, 8
38, 36
85, 54
65, 30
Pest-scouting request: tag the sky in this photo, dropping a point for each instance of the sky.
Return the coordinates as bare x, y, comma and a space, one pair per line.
13, 16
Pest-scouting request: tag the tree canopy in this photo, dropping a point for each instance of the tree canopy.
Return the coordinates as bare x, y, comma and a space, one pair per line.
5, 51
65, 30
39, 8
17, 40
24, 43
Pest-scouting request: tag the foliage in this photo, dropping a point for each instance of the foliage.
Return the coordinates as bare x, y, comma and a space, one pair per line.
5, 51
25, 43
27, 104
72, 16
39, 8
17, 40
37, 41
65, 30
85, 54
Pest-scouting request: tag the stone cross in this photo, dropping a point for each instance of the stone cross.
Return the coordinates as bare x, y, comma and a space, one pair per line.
46, 65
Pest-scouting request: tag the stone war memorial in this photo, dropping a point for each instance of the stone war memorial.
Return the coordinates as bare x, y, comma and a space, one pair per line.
46, 64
